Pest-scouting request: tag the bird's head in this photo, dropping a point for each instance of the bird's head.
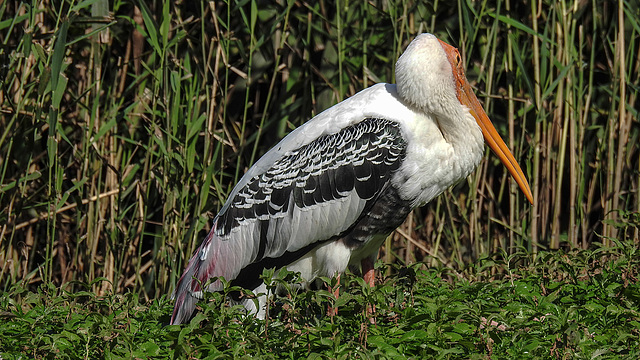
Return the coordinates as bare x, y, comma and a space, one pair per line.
425, 76
430, 76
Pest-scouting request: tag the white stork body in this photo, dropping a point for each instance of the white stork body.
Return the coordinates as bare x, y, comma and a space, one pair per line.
330, 192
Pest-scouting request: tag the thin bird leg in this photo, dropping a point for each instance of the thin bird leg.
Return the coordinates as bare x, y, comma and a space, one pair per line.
369, 276
333, 310
368, 272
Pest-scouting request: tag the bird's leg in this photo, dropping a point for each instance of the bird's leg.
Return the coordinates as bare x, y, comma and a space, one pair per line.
333, 310
369, 276
368, 272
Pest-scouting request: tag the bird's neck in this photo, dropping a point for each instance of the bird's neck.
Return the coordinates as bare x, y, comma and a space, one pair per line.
445, 147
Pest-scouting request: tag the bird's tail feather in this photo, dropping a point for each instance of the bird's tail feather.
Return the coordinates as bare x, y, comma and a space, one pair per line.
215, 258
189, 288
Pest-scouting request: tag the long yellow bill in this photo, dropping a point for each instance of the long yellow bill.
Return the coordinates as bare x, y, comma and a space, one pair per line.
491, 136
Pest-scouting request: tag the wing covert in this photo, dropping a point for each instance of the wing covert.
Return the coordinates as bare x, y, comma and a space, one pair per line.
294, 202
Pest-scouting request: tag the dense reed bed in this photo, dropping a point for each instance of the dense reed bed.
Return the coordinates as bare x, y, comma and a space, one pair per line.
124, 125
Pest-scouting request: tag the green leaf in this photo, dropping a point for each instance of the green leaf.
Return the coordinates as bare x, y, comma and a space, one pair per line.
519, 25
59, 91
147, 349
58, 54
464, 328
150, 27
453, 336
414, 335
380, 343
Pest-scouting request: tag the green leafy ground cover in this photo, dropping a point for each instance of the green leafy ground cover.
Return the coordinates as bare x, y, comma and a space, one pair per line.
578, 305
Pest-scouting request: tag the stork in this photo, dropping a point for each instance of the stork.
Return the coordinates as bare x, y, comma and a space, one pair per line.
329, 193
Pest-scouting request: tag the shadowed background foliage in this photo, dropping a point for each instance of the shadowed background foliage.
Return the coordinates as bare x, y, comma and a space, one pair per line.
124, 125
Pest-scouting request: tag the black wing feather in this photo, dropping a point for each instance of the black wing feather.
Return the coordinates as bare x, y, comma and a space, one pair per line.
361, 157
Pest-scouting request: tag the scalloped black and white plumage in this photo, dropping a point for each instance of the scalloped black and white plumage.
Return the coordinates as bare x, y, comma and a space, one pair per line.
330, 192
